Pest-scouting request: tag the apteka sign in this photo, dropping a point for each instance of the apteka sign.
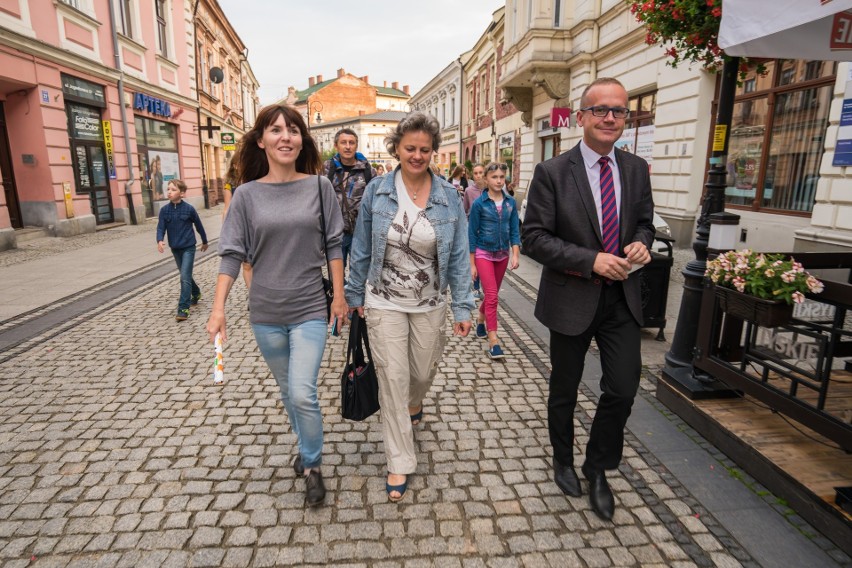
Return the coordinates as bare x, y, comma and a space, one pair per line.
152, 105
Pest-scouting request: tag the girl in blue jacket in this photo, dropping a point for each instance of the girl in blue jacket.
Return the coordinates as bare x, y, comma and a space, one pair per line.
495, 243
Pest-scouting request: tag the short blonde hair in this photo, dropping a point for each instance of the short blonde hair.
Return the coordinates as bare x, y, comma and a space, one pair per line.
179, 183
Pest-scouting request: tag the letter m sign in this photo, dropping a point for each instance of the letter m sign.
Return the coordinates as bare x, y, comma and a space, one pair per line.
560, 117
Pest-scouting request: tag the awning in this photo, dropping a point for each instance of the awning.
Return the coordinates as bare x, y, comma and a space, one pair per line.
787, 29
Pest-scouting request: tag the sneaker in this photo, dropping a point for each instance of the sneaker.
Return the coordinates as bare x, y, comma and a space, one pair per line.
314, 489
496, 353
182, 315
481, 332
193, 301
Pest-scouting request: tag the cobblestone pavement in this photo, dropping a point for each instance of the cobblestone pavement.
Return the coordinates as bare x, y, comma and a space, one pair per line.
116, 449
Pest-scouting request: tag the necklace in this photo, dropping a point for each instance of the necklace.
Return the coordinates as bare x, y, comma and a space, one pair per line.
414, 192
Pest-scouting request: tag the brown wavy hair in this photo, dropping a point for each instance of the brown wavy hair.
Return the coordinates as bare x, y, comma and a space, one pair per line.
251, 159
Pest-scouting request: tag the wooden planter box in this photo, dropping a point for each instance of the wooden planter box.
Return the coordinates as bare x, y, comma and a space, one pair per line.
765, 313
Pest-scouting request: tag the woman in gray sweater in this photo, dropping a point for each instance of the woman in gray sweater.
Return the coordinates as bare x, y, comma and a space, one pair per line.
274, 221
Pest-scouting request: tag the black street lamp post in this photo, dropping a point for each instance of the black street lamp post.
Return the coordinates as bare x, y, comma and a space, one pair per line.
679, 369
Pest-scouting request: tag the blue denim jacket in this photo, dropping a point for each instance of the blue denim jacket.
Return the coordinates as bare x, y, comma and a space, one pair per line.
490, 231
443, 209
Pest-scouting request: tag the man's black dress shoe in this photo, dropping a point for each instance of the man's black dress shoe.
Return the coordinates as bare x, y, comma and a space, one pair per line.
314, 488
566, 479
600, 495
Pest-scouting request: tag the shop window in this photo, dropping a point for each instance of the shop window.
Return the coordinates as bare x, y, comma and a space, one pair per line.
777, 136
638, 135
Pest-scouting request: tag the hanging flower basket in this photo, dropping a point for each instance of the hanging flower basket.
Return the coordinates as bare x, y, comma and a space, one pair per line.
765, 313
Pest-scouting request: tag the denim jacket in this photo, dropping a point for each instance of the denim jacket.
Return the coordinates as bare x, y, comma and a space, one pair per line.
490, 231
443, 210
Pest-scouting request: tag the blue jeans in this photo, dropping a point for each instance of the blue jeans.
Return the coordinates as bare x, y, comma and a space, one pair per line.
347, 246
294, 353
185, 258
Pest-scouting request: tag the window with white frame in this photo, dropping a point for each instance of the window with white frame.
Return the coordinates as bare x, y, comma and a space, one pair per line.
162, 27
453, 110
125, 12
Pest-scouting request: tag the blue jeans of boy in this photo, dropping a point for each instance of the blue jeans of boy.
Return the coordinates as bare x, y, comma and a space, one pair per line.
185, 258
294, 353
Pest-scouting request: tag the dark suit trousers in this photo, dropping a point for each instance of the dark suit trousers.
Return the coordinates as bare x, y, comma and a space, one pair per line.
618, 339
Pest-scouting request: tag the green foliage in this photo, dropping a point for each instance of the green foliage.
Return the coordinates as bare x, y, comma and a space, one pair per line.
768, 276
690, 28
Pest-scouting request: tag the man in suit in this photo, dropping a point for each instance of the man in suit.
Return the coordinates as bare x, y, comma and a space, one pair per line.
589, 219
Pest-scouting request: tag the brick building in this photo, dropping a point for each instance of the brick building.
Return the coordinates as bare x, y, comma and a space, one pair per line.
345, 96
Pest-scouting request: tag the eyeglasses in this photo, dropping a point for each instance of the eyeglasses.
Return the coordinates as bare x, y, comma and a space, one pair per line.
601, 111
492, 167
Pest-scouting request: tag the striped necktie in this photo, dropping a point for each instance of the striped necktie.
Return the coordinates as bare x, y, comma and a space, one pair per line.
609, 209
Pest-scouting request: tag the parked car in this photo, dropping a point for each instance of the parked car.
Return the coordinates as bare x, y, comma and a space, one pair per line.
663, 229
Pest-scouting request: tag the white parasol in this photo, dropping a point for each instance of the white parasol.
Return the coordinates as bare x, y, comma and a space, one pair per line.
787, 29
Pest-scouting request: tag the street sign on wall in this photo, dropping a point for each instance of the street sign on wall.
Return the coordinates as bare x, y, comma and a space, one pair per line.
229, 141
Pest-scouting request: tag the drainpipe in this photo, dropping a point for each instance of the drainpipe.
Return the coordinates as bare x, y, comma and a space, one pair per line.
204, 188
461, 111
128, 186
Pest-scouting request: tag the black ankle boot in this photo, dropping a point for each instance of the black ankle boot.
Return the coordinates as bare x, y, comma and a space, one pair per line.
314, 488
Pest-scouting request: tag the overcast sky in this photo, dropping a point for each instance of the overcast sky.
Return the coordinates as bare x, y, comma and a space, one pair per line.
388, 40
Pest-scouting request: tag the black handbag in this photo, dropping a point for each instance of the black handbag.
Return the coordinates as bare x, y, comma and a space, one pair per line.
359, 385
327, 288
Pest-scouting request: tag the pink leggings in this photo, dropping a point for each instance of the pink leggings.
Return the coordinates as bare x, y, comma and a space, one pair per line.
491, 275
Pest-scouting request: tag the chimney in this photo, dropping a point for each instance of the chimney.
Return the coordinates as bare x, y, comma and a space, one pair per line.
319, 79
341, 72
311, 82
386, 84
361, 113
366, 79
395, 85
405, 89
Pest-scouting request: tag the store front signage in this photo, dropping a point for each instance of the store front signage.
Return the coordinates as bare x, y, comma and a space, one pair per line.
108, 146
152, 105
229, 141
560, 117
85, 122
507, 140
83, 91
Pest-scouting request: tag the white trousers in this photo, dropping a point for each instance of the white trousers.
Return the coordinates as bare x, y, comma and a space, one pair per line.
406, 350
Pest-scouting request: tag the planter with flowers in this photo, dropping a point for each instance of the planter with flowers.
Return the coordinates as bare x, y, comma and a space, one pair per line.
761, 288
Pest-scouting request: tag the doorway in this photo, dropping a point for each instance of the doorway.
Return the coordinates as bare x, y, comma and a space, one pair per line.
92, 177
7, 174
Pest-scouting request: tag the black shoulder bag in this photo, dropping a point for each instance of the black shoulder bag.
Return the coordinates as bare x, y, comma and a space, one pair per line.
327, 288
359, 385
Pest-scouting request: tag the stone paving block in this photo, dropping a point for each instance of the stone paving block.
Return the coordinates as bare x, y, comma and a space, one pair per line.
169, 468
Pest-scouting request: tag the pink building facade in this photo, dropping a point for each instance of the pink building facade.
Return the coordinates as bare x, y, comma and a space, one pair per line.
98, 110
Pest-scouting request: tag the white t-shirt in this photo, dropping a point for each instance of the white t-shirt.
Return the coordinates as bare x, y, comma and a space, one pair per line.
410, 268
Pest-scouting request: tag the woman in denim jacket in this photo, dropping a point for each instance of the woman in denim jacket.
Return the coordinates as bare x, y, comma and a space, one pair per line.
494, 236
410, 245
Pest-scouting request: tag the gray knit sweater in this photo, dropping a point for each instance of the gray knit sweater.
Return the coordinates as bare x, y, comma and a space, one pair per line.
277, 227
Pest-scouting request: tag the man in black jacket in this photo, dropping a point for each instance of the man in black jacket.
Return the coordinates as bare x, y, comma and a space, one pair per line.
589, 222
349, 172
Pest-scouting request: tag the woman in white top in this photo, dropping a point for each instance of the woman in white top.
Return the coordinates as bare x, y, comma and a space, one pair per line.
410, 245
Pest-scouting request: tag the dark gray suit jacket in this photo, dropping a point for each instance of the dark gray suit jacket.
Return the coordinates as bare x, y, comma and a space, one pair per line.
562, 232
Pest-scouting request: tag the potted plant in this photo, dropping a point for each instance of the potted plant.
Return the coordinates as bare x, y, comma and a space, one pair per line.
760, 288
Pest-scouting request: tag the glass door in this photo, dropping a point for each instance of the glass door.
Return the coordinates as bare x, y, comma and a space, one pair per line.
92, 177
